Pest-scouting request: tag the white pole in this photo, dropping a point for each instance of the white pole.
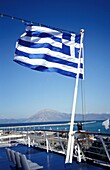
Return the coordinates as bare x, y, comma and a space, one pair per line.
29, 141
79, 154
71, 138
72, 147
47, 143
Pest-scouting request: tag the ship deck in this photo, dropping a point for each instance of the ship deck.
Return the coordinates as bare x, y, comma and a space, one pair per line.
49, 161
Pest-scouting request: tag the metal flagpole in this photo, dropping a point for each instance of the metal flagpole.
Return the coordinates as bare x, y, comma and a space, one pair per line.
70, 147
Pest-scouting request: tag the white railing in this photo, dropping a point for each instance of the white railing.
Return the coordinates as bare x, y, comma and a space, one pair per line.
88, 145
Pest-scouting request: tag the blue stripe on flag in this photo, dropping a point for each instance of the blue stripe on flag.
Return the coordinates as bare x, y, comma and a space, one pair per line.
66, 36
42, 35
77, 38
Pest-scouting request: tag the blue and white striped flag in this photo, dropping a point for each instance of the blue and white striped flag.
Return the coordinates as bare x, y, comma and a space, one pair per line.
46, 49
106, 124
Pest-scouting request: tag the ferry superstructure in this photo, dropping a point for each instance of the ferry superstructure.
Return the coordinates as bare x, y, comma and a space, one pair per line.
91, 149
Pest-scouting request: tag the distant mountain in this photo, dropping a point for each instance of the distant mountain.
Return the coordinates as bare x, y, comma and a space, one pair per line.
49, 115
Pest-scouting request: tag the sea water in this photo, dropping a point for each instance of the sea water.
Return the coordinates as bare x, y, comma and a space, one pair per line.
95, 126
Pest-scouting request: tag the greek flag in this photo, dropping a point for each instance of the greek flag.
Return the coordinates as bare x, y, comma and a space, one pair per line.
46, 49
106, 124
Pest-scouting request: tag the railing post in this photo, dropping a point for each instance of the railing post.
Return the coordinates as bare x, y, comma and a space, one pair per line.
105, 148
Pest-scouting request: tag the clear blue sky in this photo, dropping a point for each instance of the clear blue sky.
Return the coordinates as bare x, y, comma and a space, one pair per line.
24, 92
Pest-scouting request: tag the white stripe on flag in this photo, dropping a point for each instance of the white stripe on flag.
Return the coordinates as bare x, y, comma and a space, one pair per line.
38, 40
